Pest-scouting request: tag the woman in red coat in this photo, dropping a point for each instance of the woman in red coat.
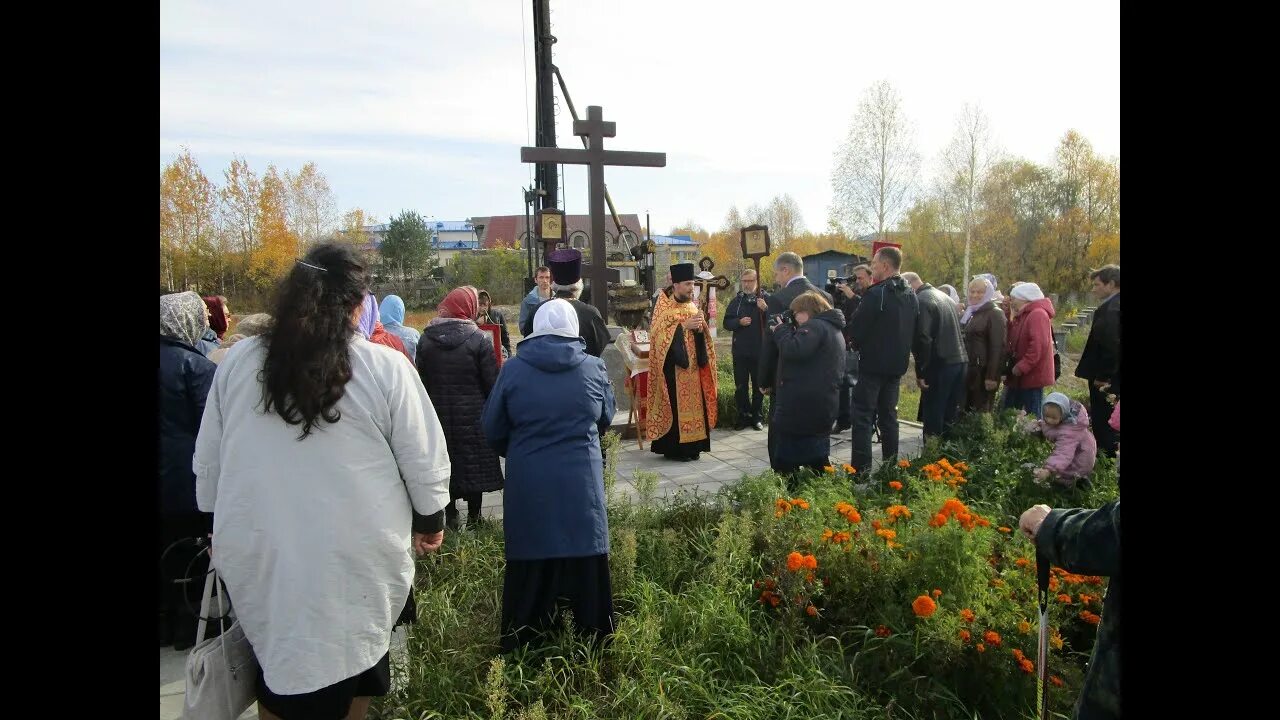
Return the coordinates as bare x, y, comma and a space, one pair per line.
1029, 349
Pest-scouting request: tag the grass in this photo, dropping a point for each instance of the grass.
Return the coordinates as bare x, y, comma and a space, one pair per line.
694, 640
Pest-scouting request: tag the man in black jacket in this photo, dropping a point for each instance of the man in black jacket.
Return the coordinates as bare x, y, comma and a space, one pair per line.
883, 330
745, 318
788, 270
1100, 361
566, 283
941, 358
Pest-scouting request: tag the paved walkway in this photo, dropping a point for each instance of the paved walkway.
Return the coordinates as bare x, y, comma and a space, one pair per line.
733, 454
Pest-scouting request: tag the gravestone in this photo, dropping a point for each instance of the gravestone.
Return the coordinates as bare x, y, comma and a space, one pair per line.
617, 370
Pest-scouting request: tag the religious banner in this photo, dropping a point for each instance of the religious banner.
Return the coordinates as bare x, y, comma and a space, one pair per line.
875, 246
495, 336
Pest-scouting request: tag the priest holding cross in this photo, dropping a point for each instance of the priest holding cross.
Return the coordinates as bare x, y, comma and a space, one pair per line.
682, 408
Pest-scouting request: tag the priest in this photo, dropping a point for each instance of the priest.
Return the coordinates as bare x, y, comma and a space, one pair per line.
682, 407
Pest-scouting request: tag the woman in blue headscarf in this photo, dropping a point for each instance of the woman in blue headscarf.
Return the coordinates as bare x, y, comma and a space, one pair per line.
392, 316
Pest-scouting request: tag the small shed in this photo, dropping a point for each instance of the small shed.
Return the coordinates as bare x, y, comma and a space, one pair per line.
818, 265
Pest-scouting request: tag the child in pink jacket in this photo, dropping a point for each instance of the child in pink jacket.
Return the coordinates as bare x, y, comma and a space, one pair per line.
1066, 424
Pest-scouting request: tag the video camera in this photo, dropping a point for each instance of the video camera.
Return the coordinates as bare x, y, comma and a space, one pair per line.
836, 282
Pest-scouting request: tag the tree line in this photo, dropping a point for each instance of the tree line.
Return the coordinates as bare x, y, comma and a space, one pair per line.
981, 210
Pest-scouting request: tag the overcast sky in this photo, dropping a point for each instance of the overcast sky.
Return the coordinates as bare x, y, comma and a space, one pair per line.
423, 105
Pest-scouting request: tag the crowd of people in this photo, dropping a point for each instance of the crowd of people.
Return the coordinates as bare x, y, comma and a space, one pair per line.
314, 456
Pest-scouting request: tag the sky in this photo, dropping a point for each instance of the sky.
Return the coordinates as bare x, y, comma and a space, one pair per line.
423, 105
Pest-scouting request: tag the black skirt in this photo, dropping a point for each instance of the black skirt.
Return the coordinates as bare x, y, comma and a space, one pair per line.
534, 592
327, 703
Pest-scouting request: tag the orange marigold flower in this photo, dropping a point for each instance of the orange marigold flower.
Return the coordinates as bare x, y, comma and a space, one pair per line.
938, 520
992, 637
965, 636
962, 466
841, 538
850, 469
810, 562
882, 631
853, 516
782, 505
904, 463
1017, 653
1053, 584
1091, 618
1064, 598
795, 561
1056, 680
894, 484
829, 468
981, 648
981, 521
897, 511
827, 534
1024, 627
891, 544
1004, 529
967, 615
924, 606
1027, 666
1021, 562
876, 524
800, 503
1085, 598
937, 593
812, 611
887, 534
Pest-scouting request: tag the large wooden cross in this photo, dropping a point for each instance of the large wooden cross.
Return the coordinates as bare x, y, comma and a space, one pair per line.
595, 157
718, 282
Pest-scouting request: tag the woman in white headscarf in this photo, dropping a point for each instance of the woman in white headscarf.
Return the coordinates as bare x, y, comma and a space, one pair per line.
1029, 348
546, 414
185, 376
984, 336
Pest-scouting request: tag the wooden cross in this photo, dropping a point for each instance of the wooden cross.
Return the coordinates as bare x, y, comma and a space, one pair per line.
595, 157
718, 282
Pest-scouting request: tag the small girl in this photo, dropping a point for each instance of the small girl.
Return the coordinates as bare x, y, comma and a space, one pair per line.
1066, 424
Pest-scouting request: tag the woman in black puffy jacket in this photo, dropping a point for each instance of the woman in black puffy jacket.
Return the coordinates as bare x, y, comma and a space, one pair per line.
811, 365
458, 367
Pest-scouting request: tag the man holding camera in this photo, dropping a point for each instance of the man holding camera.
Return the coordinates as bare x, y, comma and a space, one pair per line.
788, 270
850, 294
745, 318
882, 329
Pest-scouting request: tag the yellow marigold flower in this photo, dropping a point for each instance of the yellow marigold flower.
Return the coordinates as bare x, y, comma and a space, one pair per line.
1024, 627
1055, 640
827, 533
829, 469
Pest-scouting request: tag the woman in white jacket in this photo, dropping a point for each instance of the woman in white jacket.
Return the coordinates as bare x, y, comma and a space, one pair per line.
319, 452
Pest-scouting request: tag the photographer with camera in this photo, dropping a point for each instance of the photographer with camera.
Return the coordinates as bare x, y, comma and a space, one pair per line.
788, 269
882, 329
812, 350
745, 318
850, 294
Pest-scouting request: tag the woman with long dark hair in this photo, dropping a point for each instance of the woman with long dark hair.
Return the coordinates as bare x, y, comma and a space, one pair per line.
458, 367
319, 452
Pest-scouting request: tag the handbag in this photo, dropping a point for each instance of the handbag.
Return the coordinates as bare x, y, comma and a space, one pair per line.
221, 672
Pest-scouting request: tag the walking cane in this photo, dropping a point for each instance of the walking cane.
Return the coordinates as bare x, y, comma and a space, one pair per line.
1042, 655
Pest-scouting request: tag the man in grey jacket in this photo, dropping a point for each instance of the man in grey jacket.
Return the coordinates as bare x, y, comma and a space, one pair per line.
940, 357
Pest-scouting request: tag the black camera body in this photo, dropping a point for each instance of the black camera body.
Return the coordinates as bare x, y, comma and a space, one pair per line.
834, 283
786, 317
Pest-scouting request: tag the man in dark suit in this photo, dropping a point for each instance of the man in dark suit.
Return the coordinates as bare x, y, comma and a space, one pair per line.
788, 270
1100, 361
745, 318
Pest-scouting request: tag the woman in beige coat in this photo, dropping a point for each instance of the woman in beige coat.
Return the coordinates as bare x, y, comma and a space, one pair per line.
984, 337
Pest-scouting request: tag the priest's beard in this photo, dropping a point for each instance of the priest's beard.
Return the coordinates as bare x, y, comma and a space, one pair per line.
675, 294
